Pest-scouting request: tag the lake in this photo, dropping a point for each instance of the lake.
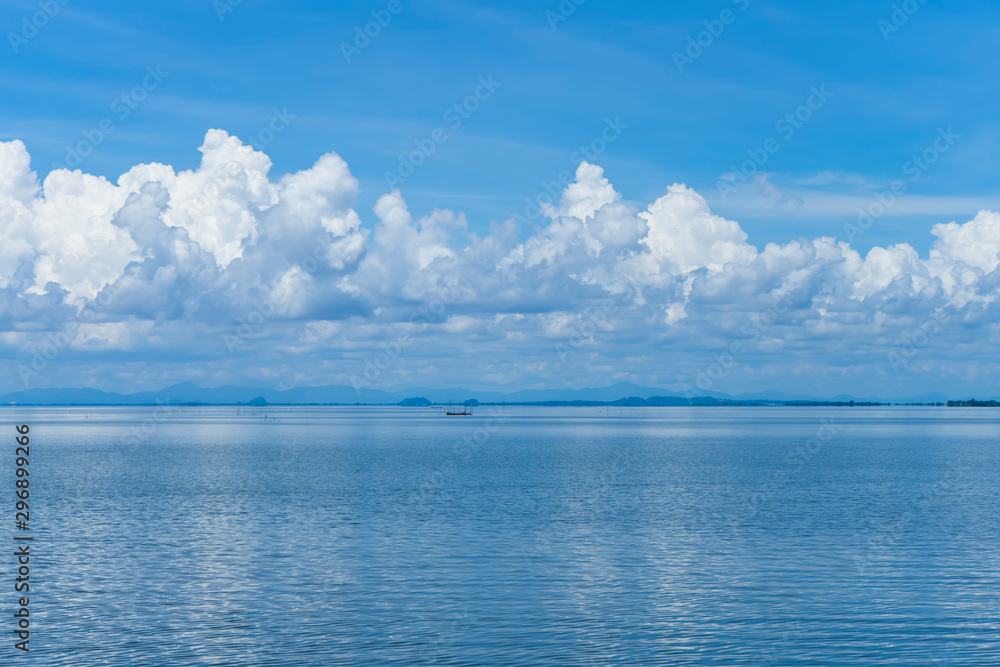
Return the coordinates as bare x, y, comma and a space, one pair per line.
517, 536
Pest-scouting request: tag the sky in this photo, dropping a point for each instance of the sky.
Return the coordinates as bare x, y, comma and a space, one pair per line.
733, 196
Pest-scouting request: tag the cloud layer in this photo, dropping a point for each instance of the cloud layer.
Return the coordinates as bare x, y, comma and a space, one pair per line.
227, 274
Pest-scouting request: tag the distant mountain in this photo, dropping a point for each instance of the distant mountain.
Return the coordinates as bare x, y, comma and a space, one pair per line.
623, 393
68, 397
418, 402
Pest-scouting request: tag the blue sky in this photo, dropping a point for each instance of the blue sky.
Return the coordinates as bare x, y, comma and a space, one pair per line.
892, 84
558, 86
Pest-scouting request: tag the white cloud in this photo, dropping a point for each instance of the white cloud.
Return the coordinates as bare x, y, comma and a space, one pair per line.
203, 250
684, 235
975, 244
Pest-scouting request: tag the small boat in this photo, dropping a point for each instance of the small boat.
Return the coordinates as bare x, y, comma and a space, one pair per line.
458, 410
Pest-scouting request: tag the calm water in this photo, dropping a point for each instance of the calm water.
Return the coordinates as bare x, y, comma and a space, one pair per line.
335, 536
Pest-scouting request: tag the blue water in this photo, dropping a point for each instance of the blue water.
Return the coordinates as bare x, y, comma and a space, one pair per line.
361, 536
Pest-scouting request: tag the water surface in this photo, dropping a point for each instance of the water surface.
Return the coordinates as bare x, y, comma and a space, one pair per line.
670, 536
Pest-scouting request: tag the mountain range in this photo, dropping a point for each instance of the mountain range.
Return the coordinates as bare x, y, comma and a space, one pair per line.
188, 393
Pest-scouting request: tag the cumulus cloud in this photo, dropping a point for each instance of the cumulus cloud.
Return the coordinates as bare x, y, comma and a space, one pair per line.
225, 273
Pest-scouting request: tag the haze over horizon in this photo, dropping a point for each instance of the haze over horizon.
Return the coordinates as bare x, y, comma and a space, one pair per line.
188, 393
472, 221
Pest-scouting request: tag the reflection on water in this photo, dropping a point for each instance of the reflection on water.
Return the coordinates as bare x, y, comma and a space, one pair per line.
335, 536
